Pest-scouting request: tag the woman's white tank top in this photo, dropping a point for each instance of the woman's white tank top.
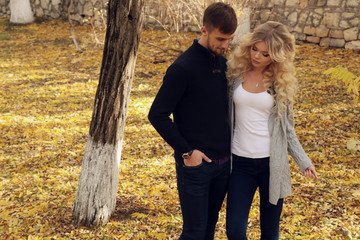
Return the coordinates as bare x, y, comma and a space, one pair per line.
251, 133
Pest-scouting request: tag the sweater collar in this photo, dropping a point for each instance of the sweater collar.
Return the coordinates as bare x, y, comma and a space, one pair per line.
205, 51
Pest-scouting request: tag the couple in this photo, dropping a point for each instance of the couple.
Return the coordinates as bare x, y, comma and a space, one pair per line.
231, 117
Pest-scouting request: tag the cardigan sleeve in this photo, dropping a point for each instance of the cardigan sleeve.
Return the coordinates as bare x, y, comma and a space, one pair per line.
294, 147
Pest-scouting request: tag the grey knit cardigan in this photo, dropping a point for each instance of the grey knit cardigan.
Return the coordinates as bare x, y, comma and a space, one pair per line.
283, 139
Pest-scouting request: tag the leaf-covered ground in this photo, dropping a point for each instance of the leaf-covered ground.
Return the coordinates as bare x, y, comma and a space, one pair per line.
46, 99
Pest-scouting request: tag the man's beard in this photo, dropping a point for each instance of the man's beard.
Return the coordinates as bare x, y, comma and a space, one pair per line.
213, 51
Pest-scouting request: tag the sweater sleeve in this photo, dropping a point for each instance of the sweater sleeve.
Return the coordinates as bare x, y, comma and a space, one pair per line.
165, 102
294, 146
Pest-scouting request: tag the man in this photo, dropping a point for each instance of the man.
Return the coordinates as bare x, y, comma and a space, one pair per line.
194, 90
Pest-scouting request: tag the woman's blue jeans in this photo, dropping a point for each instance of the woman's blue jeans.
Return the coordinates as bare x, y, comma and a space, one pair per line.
247, 175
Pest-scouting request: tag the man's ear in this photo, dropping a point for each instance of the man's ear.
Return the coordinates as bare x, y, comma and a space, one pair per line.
204, 31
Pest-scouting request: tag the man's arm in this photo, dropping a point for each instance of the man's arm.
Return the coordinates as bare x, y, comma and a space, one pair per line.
170, 93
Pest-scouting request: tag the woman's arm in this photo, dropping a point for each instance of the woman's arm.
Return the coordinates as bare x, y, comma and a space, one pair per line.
295, 149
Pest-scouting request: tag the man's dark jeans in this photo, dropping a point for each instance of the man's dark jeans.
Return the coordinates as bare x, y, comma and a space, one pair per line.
202, 190
247, 175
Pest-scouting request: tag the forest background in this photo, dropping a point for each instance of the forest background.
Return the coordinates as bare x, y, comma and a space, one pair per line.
47, 91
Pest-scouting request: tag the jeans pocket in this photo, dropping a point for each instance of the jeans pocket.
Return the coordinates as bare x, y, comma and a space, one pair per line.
194, 167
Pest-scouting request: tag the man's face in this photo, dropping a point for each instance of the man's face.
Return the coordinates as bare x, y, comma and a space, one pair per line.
216, 41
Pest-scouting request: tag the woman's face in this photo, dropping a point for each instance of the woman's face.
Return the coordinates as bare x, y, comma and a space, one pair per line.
260, 57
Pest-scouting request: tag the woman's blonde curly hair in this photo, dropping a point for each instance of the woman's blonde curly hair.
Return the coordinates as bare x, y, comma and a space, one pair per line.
280, 73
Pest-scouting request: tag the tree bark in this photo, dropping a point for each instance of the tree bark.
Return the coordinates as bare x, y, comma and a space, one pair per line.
96, 194
243, 27
21, 12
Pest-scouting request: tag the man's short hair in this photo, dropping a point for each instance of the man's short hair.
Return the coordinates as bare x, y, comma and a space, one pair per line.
221, 16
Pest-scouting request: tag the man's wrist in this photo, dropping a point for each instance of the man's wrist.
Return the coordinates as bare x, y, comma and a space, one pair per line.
187, 155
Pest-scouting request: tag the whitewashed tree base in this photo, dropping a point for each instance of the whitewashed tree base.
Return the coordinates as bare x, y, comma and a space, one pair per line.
96, 195
21, 12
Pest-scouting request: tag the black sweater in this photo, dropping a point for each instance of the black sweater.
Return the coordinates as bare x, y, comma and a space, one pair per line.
194, 90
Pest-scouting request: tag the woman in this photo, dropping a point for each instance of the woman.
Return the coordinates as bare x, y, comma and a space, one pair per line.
262, 84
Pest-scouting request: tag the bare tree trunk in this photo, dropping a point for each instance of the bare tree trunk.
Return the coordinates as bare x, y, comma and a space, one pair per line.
21, 11
72, 27
243, 27
96, 195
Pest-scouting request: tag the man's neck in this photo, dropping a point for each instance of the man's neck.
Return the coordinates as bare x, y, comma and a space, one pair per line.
202, 42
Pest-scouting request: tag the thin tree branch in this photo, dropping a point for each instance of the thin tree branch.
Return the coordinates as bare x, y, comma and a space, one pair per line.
72, 28
166, 50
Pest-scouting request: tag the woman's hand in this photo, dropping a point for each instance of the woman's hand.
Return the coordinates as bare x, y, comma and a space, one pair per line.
310, 172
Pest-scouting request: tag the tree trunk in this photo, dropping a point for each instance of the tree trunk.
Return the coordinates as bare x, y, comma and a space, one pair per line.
96, 194
243, 27
21, 11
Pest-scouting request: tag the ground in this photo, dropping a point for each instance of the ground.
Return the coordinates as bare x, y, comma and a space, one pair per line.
47, 91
